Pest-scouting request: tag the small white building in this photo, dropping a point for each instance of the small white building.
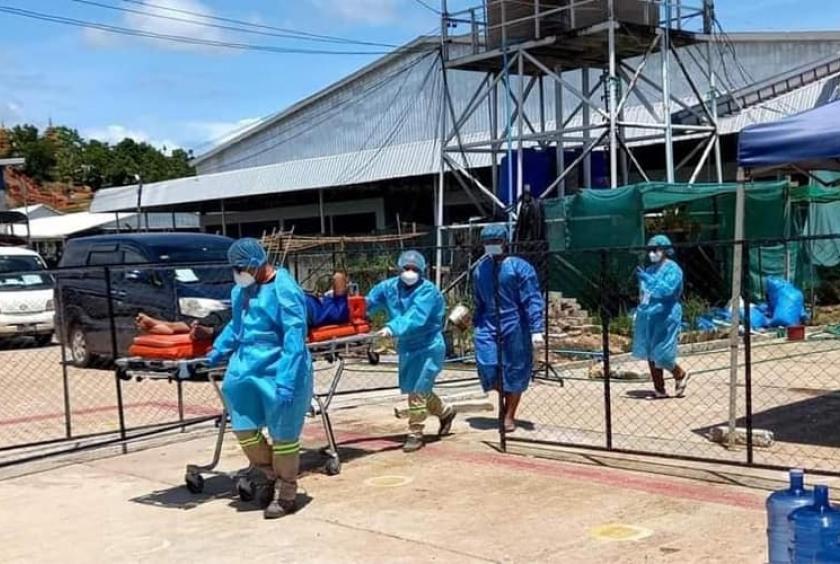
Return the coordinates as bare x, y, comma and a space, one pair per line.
48, 232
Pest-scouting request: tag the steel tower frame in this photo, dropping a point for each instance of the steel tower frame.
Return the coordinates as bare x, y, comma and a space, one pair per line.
515, 73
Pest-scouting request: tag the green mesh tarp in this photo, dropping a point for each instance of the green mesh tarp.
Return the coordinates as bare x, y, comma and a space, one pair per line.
594, 219
613, 219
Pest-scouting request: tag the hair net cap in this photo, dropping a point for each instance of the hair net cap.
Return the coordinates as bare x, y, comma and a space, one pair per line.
662, 242
494, 233
247, 253
412, 258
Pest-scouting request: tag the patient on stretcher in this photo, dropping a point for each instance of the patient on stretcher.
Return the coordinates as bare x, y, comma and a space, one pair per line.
329, 309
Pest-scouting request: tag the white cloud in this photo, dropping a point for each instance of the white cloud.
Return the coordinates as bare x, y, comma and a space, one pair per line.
115, 133
98, 38
373, 12
10, 112
217, 132
163, 17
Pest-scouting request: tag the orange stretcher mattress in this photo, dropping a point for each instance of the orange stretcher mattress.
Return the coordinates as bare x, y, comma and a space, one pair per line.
327, 332
168, 347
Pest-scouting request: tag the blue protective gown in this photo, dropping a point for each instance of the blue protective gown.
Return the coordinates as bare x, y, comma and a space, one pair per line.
415, 317
265, 343
521, 313
656, 330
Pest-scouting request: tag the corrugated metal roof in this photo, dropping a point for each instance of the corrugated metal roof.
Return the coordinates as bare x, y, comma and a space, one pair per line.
368, 128
420, 44
397, 161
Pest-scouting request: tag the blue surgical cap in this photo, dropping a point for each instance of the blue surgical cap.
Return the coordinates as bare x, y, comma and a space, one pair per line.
662, 242
247, 253
412, 258
494, 233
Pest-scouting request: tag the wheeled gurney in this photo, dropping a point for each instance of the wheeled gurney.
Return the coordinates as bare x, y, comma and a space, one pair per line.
196, 370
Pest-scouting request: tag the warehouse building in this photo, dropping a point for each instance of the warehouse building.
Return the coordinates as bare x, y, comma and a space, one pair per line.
364, 153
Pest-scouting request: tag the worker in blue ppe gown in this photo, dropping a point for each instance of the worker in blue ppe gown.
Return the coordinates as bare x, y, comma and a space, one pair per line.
268, 383
415, 309
516, 321
656, 329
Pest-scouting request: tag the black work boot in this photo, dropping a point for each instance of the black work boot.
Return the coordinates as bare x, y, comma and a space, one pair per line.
446, 423
264, 494
279, 508
256, 488
413, 443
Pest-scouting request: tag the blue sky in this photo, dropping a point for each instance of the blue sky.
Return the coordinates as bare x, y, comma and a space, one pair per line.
109, 86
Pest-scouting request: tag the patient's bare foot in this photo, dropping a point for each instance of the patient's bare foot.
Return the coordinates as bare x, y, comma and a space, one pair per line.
161, 329
144, 322
339, 284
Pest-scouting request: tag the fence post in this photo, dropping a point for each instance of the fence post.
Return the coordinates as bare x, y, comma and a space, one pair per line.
61, 331
605, 350
114, 353
181, 404
500, 380
747, 291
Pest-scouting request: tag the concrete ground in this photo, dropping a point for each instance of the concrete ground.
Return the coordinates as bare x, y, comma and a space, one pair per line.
458, 500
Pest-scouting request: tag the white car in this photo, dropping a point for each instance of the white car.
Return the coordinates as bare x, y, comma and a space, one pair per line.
27, 307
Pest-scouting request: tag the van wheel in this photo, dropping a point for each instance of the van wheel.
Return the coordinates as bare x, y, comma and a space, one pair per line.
79, 352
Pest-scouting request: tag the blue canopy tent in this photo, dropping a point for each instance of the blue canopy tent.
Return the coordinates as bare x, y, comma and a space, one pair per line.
806, 141
802, 142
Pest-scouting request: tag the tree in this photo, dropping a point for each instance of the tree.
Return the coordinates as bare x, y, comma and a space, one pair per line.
69, 152
61, 154
38, 151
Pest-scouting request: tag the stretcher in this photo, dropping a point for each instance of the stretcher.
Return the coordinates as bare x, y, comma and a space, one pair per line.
332, 350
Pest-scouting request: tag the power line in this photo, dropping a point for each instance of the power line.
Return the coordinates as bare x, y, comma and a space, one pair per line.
175, 38
428, 7
242, 26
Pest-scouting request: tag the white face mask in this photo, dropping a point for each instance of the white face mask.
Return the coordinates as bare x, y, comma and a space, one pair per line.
655, 256
244, 279
493, 250
409, 277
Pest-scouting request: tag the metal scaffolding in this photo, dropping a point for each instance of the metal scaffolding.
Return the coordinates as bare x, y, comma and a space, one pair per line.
560, 74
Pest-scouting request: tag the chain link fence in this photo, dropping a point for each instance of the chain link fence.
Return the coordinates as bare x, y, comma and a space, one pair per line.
771, 400
762, 394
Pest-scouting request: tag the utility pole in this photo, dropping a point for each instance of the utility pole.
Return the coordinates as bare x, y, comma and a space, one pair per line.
139, 180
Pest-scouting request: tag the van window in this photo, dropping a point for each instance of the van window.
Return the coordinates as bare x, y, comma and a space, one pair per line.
200, 251
130, 256
104, 256
23, 272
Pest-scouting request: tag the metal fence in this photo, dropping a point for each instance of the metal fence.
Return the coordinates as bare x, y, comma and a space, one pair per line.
780, 394
765, 396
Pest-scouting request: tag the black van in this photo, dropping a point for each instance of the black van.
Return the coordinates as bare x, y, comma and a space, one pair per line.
185, 290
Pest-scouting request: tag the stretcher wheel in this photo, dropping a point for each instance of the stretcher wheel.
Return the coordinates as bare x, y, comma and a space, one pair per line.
373, 357
194, 483
333, 467
246, 490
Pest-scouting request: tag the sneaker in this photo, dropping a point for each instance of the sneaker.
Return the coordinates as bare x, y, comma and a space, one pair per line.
657, 395
279, 508
413, 443
446, 423
680, 385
